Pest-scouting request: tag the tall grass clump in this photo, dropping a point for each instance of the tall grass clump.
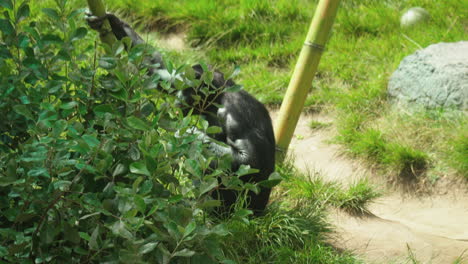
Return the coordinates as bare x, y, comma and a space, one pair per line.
459, 156
357, 197
311, 189
293, 230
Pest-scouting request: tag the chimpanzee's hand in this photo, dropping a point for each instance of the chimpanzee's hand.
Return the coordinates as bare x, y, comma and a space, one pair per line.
201, 136
119, 27
95, 22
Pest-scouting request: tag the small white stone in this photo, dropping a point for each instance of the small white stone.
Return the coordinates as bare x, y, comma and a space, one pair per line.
414, 16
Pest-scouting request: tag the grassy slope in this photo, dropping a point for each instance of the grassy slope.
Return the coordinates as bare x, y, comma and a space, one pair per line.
366, 46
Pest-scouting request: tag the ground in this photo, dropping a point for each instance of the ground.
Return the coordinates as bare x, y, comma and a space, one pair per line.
432, 225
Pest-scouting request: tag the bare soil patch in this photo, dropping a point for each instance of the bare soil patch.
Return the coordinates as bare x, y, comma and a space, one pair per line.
174, 41
434, 228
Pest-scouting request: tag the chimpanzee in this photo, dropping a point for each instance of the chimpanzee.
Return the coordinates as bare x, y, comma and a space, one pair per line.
246, 125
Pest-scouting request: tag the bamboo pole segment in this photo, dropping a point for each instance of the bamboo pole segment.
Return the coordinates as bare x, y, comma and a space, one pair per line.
98, 9
301, 80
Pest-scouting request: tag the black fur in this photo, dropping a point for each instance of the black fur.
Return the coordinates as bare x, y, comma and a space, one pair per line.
246, 125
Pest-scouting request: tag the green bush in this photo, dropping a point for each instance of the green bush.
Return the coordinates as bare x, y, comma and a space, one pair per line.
91, 169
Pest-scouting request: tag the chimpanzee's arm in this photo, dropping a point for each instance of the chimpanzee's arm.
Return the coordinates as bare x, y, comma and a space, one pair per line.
241, 144
121, 30
242, 150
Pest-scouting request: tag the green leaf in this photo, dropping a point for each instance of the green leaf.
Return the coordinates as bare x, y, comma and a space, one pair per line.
210, 204
59, 127
79, 33
190, 228
84, 236
233, 89
69, 105
139, 168
236, 72
104, 108
6, 4
146, 187
140, 204
3, 252
39, 172
243, 213
53, 86
214, 130
245, 170
134, 152
149, 247
147, 109
86, 167
118, 49
274, 179
125, 205
24, 218
32, 63
5, 27
93, 243
62, 185
6, 54
208, 186
222, 229
23, 12
137, 123
52, 13
193, 167
24, 99
173, 230
137, 183
71, 233
48, 232
24, 111
75, 13
228, 261
107, 63
6, 181
119, 170
23, 41
119, 228
184, 253
91, 141
207, 77
52, 39
64, 54
176, 198
121, 94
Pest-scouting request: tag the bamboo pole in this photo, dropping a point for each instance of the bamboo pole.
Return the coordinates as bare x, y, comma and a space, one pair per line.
98, 9
301, 80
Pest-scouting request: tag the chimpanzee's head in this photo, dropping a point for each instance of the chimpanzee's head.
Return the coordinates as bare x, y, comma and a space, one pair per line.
202, 97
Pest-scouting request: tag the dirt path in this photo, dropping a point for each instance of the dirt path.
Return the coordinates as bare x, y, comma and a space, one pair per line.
432, 228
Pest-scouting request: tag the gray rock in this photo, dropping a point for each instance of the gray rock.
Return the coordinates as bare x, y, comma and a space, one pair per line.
434, 77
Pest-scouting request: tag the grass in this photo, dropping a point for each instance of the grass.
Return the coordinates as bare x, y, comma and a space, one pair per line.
317, 125
294, 230
412, 259
461, 258
311, 188
356, 198
458, 151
